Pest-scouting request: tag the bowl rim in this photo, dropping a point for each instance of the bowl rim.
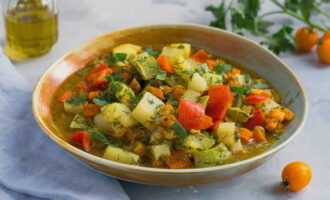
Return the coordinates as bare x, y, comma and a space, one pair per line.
109, 163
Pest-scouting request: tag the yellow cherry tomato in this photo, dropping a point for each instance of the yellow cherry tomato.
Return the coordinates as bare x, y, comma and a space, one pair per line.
323, 51
296, 176
306, 38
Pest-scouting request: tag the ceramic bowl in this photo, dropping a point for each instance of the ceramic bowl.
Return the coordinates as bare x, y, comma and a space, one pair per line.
215, 41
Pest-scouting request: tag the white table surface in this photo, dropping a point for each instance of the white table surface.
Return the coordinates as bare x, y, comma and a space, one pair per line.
81, 20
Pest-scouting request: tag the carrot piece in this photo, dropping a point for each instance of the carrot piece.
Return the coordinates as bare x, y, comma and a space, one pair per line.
92, 95
229, 74
212, 63
157, 92
200, 56
167, 89
65, 96
177, 160
157, 164
236, 71
167, 107
178, 92
277, 113
245, 134
207, 122
289, 115
90, 110
165, 63
259, 134
167, 120
271, 124
135, 85
140, 149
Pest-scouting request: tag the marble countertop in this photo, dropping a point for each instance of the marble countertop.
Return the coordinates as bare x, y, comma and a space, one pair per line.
81, 20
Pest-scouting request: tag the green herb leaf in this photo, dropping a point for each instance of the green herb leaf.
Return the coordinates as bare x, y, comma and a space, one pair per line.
223, 68
99, 136
240, 90
77, 100
135, 100
247, 77
180, 46
161, 75
205, 68
147, 136
219, 14
100, 102
281, 41
151, 51
178, 128
116, 57
260, 86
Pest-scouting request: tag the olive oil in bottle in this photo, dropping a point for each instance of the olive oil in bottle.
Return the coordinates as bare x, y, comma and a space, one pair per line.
31, 28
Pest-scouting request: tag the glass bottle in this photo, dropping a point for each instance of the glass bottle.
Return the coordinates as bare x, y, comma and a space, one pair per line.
31, 28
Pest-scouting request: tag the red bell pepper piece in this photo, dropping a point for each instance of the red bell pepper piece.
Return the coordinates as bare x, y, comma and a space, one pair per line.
256, 98
84, 86
258, 119
81, 138
165, 64
220, 98
191, 114
91, 75
65, 96
200, 56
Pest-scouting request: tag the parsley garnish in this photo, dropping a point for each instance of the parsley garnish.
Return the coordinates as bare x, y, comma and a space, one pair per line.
247, 77
99, 136
116, 57
260, 85
100, 102
161, 75
146, 137
178, 128
240, 90
205, 68
223, 68
281, 41
180, 46
77, 100
151, 51
243, 16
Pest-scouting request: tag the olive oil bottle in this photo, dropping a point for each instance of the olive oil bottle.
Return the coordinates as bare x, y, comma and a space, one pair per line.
31, 28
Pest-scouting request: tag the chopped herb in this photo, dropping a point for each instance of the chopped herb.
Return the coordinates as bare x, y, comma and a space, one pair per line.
260, 86
247, 77
77, 100
116, 57
240, 90
151, 51
177, 127
161, 75
205, 68
151, 101
100, 102
135, 100
146, 137
223, 68
99, 136
181, 46
187, 72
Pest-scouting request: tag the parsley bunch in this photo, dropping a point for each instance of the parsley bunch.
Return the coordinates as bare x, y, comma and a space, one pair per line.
244, 17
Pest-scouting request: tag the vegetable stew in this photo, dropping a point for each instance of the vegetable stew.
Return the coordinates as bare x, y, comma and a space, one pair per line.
171, 108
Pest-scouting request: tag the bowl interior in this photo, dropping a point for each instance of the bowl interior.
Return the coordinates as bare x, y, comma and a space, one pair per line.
220, 43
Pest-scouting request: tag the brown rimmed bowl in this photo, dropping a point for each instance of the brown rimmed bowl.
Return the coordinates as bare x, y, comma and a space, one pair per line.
215, 41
